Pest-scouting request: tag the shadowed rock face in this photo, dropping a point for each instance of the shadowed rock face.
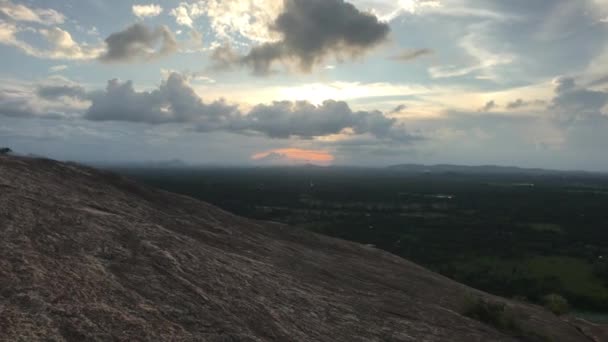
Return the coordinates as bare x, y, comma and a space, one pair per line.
87, 255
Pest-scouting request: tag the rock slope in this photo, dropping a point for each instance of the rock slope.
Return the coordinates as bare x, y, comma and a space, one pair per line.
86, 255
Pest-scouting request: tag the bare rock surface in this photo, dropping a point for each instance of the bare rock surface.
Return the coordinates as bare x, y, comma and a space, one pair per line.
86, 255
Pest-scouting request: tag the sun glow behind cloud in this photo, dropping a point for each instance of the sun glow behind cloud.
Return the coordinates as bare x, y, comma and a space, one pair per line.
294, 156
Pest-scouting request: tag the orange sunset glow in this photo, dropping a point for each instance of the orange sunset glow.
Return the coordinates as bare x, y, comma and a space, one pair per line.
295, 155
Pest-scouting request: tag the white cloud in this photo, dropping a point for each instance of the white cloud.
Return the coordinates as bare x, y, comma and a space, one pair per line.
317, 93
19, 12
150, 10
58, 68
597, 67
93, 31
61, 44
189, 76
485, 60
601, 10
186, 13
389, 10
229, 19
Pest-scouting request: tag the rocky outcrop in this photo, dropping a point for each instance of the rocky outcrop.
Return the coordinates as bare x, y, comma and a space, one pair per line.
87, 255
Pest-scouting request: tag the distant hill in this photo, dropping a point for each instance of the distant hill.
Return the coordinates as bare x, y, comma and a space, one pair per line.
482, 169
87, 255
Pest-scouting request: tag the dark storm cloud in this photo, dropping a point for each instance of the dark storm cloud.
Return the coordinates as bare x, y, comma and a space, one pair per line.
312, 30
139, 42
176, 102
411, 55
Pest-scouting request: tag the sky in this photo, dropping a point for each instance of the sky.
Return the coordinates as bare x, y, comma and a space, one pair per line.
329, 82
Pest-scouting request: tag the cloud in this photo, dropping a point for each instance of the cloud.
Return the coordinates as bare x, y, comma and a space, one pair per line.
224, 58
564, 84
176, 102
410, 55
400, 108
516, 104
13, 103
519, 103
391, 10
189, 76
186, 13
489, 106
232, 20
64, 47
294, 155
19, 12
53, 92
484, 60
305, 120
313, 30
150, 10
57, 68
573, 103
599, 81
53, 98
139, 42
61, 46
173, 102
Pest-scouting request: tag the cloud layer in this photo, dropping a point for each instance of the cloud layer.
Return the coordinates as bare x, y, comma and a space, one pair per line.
175, 102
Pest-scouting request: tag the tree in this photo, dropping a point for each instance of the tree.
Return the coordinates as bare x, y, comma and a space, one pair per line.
5, 150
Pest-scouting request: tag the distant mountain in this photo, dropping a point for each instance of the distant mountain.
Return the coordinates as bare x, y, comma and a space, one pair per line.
156, 164
483, 169
88, 255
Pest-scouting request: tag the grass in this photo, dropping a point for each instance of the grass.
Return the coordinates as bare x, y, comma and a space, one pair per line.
575, 275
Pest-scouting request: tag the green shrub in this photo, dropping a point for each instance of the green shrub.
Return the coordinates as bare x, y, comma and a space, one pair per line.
499, 316
492, 313
556, 304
